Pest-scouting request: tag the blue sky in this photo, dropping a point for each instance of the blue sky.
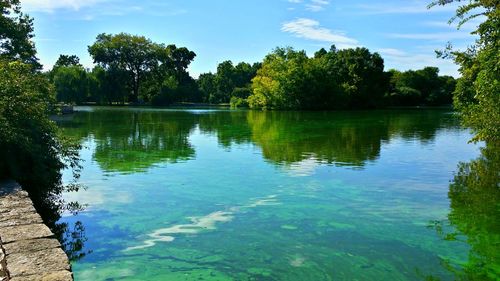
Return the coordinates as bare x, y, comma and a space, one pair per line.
404, 32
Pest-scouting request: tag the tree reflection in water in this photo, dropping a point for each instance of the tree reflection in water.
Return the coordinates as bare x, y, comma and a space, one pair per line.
475, 216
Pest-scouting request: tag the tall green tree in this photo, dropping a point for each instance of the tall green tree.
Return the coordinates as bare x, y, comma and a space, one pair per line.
141, 59
71, 84
207, 85
16, 34
107, 86
477, 96
281, 82
136, 55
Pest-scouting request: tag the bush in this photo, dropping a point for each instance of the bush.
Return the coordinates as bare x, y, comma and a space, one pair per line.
241, 93
238, 102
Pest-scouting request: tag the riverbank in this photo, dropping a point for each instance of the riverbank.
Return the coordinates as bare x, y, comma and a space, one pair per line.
28, 249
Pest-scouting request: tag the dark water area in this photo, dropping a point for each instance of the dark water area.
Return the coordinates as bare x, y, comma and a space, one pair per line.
247, 195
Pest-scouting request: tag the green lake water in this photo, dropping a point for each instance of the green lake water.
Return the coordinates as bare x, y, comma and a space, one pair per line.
247, 195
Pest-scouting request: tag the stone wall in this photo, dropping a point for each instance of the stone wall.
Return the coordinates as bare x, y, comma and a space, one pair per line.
29, 250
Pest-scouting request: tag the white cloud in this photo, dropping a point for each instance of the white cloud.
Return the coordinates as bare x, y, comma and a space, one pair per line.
391, 52
312, 30
51, 5
295, 1
317, 5
437, 36
314, 8
320, 2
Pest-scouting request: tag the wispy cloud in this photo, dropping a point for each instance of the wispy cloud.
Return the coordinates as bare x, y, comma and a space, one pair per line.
317, 5
391, 52
312, 30
436, 36
408, 7
52, 5
469, 26
312, 5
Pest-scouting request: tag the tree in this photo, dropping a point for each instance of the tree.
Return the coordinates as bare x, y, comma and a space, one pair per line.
32, 151
289, 79
71, 84
219, 87
16, 34
207, 86
282, 81
67, 60
107, 86
477, 96
420, 87
135, 55
141, 59
362, 77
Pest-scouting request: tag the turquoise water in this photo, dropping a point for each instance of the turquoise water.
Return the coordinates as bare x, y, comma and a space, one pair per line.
246, 195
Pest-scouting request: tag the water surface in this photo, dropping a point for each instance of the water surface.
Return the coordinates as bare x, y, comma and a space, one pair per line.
246, 195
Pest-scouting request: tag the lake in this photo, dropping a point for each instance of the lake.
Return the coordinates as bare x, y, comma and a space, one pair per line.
200, 194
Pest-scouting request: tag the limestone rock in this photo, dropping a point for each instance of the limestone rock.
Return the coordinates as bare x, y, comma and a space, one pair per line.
24, 232
63, 275
45, 261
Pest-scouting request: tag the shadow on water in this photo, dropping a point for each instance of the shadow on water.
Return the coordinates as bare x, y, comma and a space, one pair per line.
475, 216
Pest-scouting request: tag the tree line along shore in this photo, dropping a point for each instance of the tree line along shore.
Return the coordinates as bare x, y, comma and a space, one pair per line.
131, 69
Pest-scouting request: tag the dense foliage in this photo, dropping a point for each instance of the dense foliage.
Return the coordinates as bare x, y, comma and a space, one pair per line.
133, 69
147, 68
477, 96
16, 32
289, 79
475, 191
229, 81
423, 86
31, 150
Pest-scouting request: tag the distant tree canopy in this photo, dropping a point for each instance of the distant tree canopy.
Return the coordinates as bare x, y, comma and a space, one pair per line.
342, 79
423, 86
221, 86
132, 68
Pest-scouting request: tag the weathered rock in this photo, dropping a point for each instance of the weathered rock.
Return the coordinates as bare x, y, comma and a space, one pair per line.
28, 246
24, 232
29, 250
39, 262
4, 274
63, 275
13, 219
